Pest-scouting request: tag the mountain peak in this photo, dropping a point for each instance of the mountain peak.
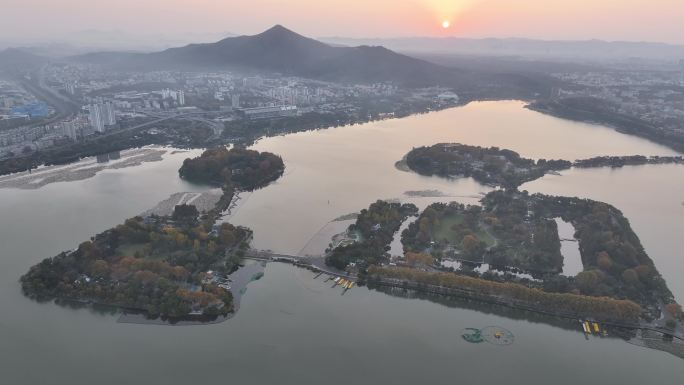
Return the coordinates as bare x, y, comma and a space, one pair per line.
278, 30
281, 38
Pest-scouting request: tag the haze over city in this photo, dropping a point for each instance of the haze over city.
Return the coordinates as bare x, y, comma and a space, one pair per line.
305, 192
630, 20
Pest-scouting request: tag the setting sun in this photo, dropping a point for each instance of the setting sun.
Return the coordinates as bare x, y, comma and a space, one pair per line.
445, 24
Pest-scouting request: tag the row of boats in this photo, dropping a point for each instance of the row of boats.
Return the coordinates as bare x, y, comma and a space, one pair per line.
345, 283
592, 328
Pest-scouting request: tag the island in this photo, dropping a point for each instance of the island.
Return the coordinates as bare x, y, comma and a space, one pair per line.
489, 166
505, 168
514, 232
234, 170
240, 167
507, 250
171, 266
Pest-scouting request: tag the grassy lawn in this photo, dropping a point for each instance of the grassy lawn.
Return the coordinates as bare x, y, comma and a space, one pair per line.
444, 232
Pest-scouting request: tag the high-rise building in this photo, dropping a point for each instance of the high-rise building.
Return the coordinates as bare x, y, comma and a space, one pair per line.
70, 88
101, 115
95, 117
109, 114
235, 100
70, 130
181, 98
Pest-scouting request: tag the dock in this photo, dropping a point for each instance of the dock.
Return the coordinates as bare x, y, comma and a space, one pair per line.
592, 328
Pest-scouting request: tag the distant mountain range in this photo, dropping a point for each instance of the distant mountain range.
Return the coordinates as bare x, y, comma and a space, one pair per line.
574, 51
281, 50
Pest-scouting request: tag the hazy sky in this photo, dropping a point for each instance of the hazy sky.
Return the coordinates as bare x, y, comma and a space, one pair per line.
643, 20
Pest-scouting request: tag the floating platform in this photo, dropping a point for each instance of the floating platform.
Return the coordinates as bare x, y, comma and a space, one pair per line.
495, 335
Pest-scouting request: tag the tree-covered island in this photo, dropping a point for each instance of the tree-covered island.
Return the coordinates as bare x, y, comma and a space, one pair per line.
516, 235
163, 265
490, 166
516, 232
244, 169
505, 168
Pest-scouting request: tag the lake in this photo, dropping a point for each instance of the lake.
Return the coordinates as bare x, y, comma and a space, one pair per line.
292, 329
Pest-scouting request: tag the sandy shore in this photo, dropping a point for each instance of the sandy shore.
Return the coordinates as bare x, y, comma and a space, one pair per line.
204, 202
83, 169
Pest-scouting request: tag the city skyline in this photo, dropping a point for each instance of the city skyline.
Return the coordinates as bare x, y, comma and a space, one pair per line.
204, 20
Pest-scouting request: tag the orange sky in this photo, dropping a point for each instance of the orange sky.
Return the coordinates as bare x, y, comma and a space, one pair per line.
652, 20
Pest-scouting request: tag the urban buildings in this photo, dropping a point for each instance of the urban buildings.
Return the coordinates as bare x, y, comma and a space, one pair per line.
102, 115
32, 110
268, 112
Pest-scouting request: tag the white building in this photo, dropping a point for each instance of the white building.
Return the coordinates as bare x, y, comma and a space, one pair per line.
101, 115
95, 117
109, 114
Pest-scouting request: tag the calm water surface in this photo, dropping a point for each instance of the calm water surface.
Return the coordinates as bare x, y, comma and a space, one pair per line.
292, 329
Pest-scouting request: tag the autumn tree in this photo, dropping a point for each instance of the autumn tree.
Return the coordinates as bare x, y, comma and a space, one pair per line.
630, 277
470, 243
675, 309
185, 213
587, 281
604, 261
414, 259
99, 268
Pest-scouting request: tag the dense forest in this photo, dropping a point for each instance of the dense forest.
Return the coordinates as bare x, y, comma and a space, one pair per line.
516, 232
239, 167
376, 227
515, 294
155, 264
491, 166
615, 262
159, 264
505, 168
505, 236
631, 160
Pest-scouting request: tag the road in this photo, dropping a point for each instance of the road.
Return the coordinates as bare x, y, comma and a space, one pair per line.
216, 127
63, 106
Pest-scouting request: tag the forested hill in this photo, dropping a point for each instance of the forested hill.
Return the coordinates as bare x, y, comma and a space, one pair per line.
238, 167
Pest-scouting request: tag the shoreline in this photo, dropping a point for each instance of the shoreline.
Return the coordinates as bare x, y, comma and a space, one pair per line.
562, 111
497, 301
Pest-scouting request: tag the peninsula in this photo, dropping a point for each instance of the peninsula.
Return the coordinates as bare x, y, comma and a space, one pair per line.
170, 266
515, 235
